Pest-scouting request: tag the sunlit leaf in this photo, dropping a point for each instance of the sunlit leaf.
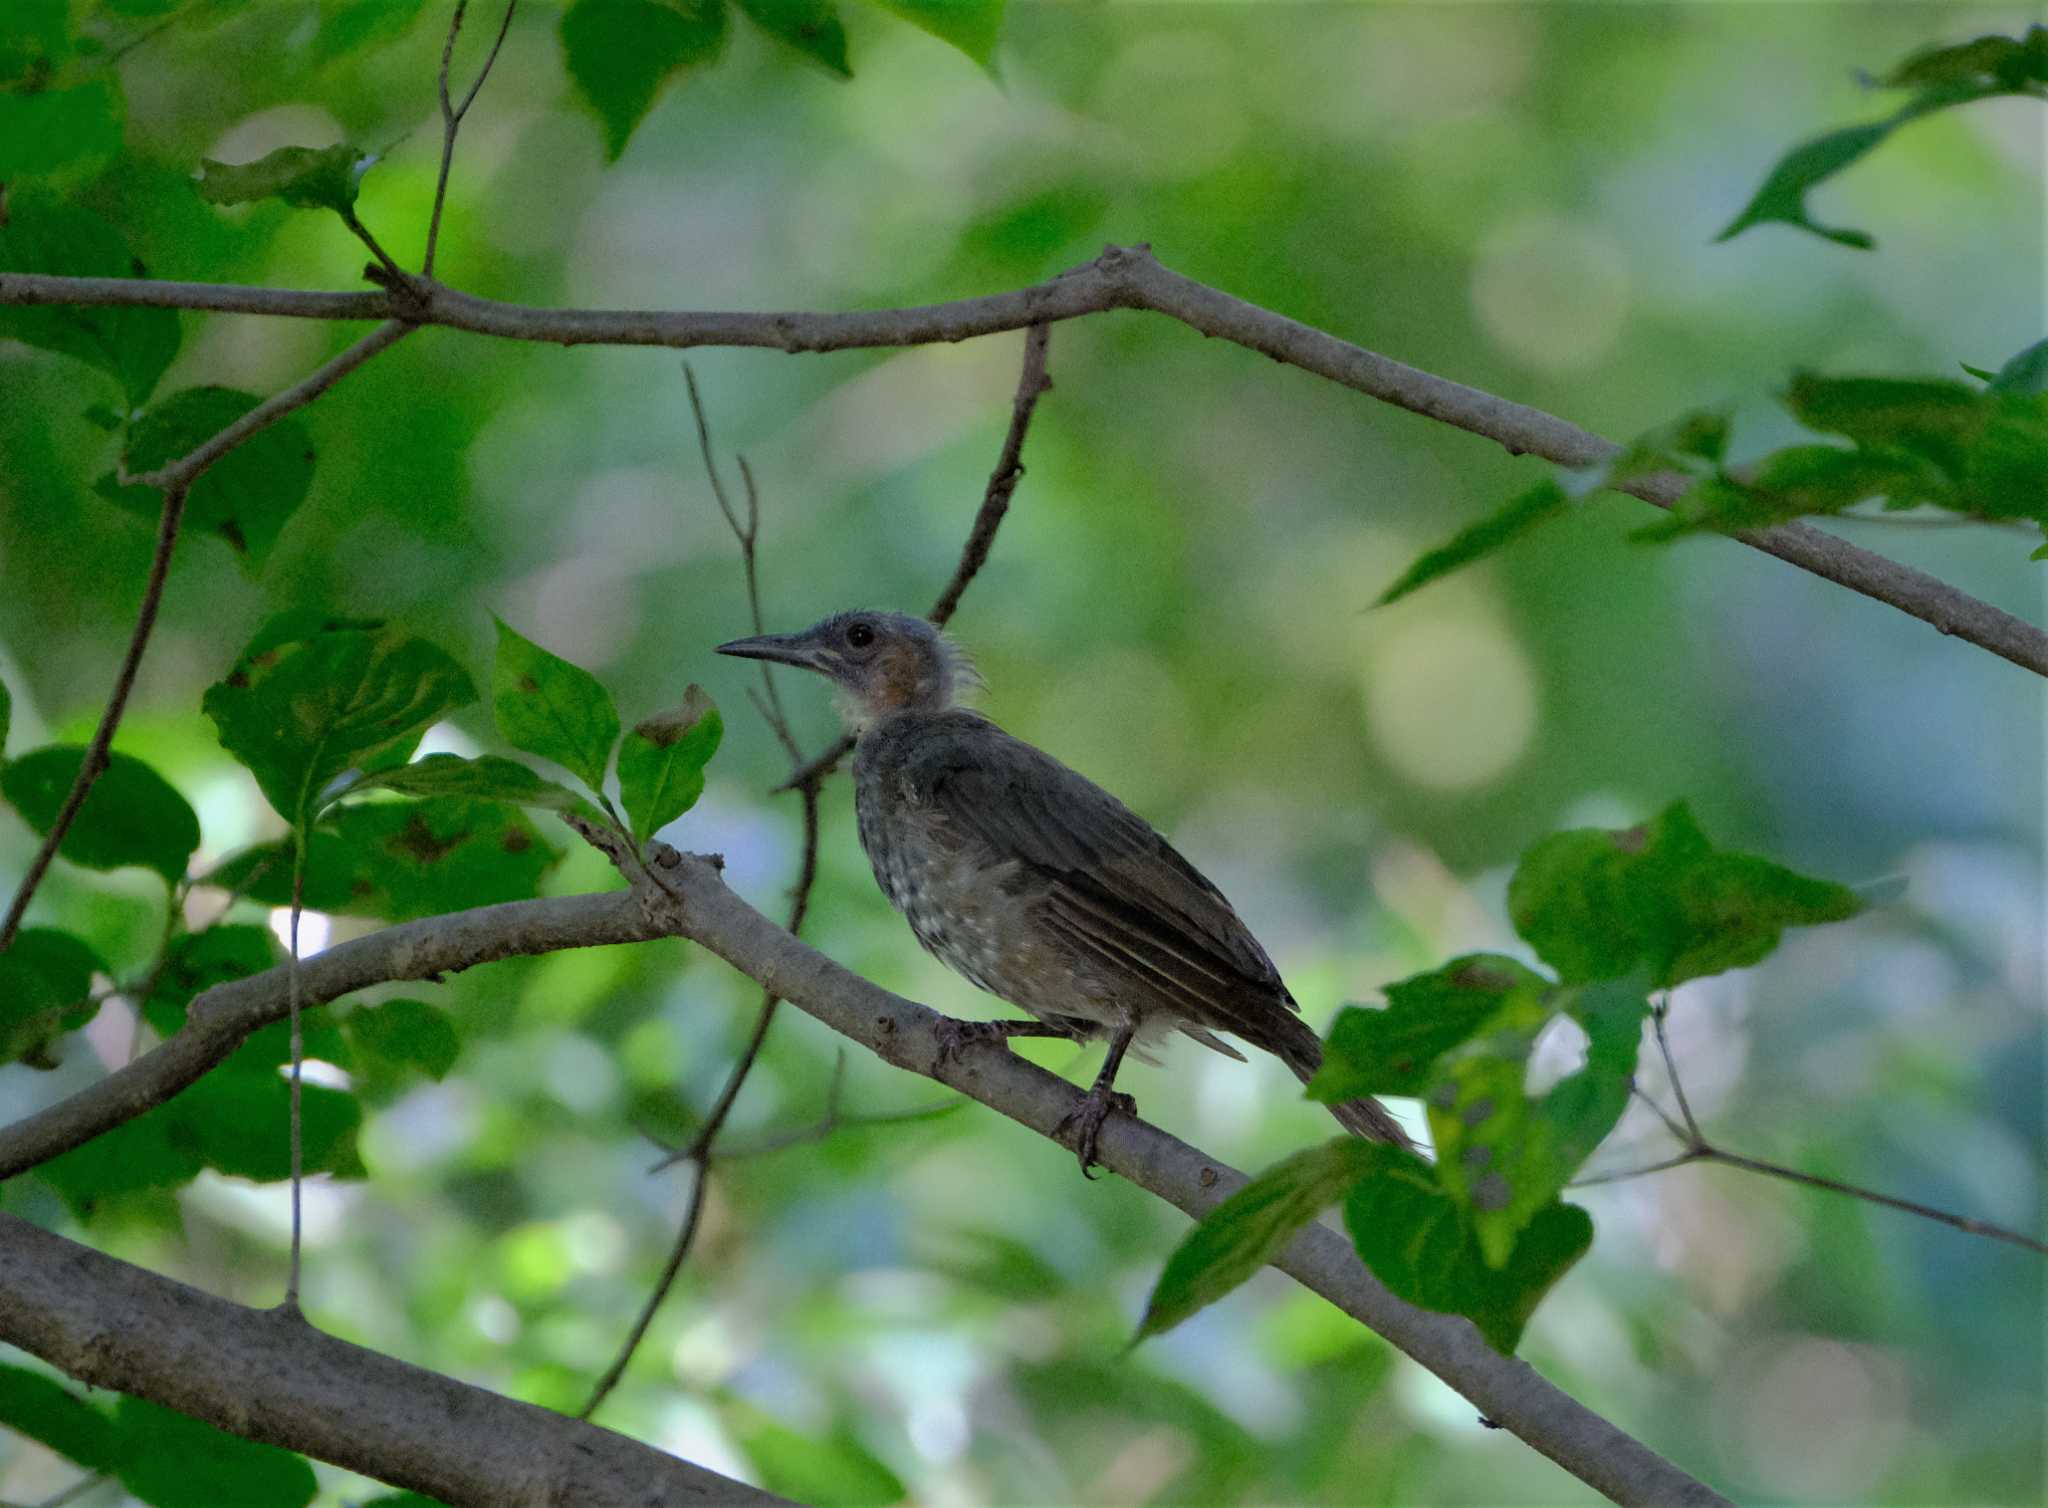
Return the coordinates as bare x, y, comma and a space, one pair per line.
131, 816
303, 177
247, 495
661, 762
1235, 1239
1659, 899
549, 707
1395, 1050
620, 53
1420, 1243
1541, 503
44, 232
313, 697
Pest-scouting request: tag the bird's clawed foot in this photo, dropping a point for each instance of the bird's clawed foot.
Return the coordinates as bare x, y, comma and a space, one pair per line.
1085, 1122
956, 1035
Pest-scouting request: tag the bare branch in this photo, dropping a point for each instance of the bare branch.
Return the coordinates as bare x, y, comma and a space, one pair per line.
451, 118
1120, 278
696, 904
176, 479
269, 1377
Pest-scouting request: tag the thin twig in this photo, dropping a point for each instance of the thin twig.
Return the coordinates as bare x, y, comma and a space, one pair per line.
1032, 383
1658, 1013
451, 118
97, 752
401, 280
291, 1287
176, 479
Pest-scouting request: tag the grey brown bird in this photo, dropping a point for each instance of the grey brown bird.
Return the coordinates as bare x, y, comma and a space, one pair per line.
1033, 881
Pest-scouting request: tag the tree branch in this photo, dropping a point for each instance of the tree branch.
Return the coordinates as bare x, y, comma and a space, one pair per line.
695, 903
268, 1376
1120, 278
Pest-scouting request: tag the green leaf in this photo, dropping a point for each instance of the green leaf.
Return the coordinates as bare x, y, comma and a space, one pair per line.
970, 25
51, 1414
1506, 1155
1234, 1240
150, 1152
488, 776
44, 232
45, 130
1991, 62
350, 25
303, 177
132, 815
1420, 1243
6, 716
1659, 899
834, 1472
2006, 472
549, 707
35, 40
622, 52
2026, 373
263, 873
1395, 1051
170, 1461
1783, 195
67, 962
239, 1123
1932, 418
314, 697
1538, 505
811, 27
45, 992
196, 962
661, 762
442, 854
247, 495
406, 1033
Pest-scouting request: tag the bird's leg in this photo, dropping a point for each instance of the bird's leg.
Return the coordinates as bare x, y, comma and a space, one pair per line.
955, 1034
1100, 1102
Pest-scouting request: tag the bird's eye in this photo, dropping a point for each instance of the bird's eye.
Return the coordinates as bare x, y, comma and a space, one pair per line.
860, 636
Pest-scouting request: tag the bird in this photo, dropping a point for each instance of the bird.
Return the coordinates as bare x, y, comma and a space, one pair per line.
1035, 883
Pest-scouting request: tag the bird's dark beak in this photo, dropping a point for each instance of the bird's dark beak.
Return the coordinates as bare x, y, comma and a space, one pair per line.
783, 649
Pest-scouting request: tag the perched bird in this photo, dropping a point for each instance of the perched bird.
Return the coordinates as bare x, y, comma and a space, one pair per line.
1033, 881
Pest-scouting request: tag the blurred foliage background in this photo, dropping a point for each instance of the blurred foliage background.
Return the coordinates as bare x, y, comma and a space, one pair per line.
1521, 197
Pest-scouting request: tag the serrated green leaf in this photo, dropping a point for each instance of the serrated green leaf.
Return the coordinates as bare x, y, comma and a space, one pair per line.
303, 177
52, 1415
972, 26
132, 816
406, 1033
1395, 1051
1541, 503
1659, 899
549, 707
170, 1461
661, 762
442, 854
1420, 1243
312, 698
490, 777
621, 53
48, 130
1506, 1155
246, 496
811, 27
44, 232
1234, 1240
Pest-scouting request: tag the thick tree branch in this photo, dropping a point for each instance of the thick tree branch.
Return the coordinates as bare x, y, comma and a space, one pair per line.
1120, 278
266, 1375
695, 903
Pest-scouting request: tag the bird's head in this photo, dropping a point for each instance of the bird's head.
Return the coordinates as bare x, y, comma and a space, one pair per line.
881, 662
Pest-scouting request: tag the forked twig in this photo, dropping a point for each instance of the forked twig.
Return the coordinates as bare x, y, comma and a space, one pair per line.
451, 117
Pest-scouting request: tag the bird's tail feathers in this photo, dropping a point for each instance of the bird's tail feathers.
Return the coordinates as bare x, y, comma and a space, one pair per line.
1300, 1050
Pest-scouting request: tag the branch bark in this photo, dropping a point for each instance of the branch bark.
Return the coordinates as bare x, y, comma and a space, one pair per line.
266, 1375
1120, 278
695, 903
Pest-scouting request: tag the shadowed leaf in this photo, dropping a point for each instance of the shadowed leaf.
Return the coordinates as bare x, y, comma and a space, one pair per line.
131, 816
1538, 505
622, 52
52, 1415
406, 1034
661, 762
811, 27
170, 1461
303, 177
970, 25
488, 776
440, 854
47, 130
